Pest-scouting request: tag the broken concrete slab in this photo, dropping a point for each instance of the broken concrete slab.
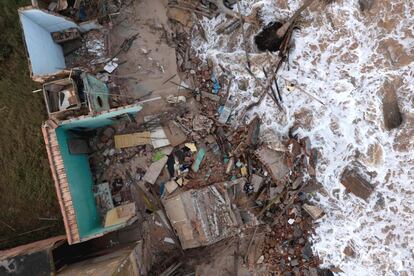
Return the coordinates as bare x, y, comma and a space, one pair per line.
314, 211
171, 186
354, 179
159, 138
274, 161
253, 131
120, 214
201, 217
154, 170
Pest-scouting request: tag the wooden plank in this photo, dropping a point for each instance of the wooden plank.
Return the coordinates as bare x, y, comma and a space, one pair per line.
132, 140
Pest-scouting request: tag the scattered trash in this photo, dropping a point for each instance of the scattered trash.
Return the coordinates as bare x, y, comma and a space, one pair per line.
191, 146
110, 66
224, 114
216, 85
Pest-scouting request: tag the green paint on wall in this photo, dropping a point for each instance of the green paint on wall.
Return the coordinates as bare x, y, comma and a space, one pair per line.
98, 93
100, 120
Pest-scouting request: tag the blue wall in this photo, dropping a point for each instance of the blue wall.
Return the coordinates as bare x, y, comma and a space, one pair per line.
80, 182
46, 56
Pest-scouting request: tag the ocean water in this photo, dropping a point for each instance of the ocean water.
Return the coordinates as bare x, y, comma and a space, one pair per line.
342, 57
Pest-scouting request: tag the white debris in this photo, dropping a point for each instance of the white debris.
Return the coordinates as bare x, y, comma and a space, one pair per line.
110, 66
169, 240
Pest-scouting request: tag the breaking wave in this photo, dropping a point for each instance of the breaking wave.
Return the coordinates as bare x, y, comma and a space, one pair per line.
341, 56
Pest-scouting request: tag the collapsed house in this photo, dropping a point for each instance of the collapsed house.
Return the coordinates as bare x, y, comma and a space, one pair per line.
54, 256
68, 148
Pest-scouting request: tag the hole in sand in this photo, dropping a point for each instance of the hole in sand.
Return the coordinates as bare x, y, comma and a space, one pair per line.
267, 40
